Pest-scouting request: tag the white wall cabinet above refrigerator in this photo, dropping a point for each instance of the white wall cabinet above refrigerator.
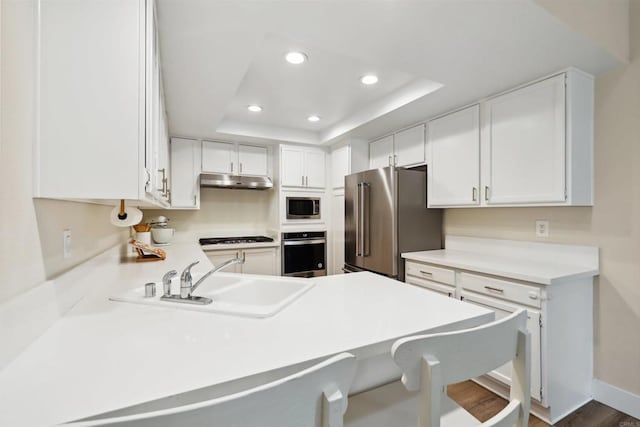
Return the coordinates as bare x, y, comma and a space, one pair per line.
404, 148
302, 167
536, 148
348, 159
185, 173
102, 131
235, 159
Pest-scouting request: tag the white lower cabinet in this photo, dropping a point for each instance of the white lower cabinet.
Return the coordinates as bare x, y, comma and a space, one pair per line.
559, 321
256, 261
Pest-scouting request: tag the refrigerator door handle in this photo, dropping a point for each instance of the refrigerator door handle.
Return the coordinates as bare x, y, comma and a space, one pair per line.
356, 206
366, 246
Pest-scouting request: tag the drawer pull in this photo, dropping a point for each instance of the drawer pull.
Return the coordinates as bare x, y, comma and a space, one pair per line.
426, 273
489, 288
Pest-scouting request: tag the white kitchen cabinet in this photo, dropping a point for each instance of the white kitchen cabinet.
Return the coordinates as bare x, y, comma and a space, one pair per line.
404, 148
537, 144
97, 81
219, 157
253, 160
302, 167
409, 147
256, 260
559, 314
347, 159
235, 159
185, 173
453, 171
336, 234
381, 152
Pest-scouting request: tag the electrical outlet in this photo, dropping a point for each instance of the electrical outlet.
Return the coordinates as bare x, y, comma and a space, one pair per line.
542, 228
66, 243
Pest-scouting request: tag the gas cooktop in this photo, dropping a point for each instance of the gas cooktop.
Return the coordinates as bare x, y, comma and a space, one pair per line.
234, 240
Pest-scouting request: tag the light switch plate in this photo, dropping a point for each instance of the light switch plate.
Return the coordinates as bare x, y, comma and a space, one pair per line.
542, 228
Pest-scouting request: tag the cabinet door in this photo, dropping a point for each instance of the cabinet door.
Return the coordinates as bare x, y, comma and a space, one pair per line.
259, 261
453, 169
526, 137
219, 157
502, 310
185, 171
314, 169
252, 160
340, 166
292, 167
409, 146
337, 232
218, 257
381, 153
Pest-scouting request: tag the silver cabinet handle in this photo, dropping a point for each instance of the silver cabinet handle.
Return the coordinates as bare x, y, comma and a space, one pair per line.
231, 167
163, 171
302, 180
306, 181
240, 167
389, 160
489, 288
395, 160
195, 200
486, 192
474, 194
426, 273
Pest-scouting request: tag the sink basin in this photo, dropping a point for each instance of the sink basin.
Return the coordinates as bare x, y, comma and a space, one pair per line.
237, 294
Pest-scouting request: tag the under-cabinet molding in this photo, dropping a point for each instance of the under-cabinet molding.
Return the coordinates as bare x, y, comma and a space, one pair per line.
553, 282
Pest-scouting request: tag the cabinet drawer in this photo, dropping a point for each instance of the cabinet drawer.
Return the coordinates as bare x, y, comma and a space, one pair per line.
447, 290
517, 292
429, 272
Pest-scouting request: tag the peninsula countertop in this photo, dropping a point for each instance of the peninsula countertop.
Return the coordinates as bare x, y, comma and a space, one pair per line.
104, 355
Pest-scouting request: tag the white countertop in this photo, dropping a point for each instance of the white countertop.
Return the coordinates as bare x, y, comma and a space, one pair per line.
545, 264
105, 355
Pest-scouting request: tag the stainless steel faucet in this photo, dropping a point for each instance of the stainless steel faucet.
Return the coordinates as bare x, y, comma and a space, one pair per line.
186, 283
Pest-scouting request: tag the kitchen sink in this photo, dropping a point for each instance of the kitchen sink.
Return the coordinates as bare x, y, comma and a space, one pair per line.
236, 294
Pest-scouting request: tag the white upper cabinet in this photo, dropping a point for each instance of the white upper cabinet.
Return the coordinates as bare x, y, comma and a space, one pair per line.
302, 167
404, 148
526, 145
97, 80
340, 159
185, 173
537, 144
253, 160
235, 159
381, 152
409, 147
453, 168
219, 157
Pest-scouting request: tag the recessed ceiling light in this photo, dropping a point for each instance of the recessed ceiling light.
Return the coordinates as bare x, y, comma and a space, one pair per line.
295, 57
254, 108
313, 118
369, 79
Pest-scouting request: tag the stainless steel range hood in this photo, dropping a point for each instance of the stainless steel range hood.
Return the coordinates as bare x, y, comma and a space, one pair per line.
235, 181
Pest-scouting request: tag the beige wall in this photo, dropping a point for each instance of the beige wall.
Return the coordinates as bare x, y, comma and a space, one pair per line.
223, 210
613, 223
605, 22
31, 230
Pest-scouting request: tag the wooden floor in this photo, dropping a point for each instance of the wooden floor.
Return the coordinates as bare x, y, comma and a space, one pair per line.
483, 404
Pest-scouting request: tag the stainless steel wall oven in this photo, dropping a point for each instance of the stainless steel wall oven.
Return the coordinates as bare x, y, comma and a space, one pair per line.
304, 254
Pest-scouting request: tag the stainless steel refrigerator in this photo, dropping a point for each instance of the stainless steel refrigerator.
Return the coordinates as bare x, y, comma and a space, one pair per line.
385, 215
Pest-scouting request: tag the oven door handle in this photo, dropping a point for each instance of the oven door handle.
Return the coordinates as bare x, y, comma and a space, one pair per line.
303, 242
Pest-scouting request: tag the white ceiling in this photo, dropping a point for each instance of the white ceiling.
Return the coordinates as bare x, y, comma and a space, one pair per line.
219, 56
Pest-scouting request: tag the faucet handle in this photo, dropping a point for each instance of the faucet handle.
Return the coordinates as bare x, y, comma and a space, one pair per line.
166, 282
186, 280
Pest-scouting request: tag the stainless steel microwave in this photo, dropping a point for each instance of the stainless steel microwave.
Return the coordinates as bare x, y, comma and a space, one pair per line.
303, 207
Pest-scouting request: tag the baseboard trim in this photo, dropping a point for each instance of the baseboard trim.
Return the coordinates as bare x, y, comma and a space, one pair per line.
617, 398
